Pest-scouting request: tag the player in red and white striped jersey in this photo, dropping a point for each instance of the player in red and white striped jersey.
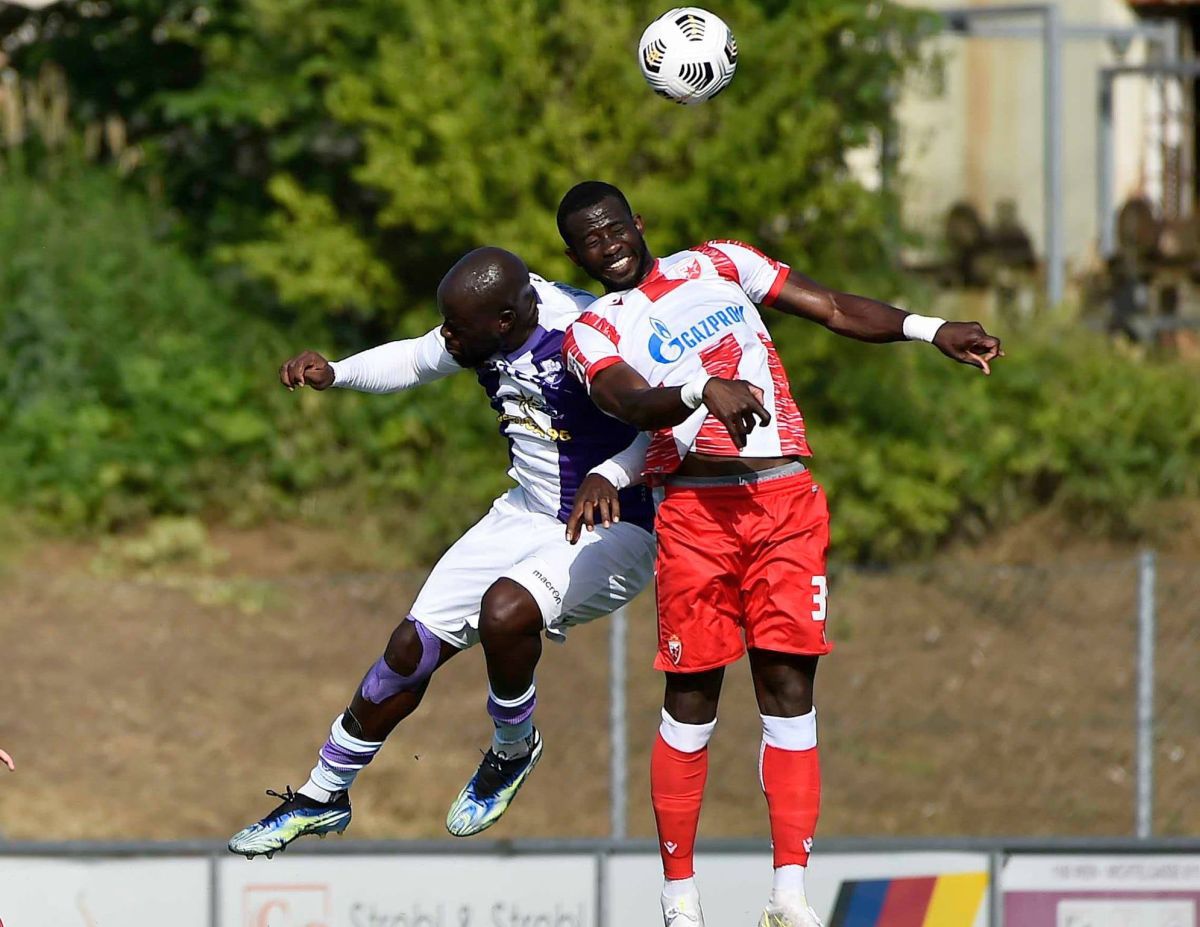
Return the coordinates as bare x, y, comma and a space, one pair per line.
677, 348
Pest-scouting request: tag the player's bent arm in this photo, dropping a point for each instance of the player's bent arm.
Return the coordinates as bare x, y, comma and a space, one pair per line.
396, 366
625, 394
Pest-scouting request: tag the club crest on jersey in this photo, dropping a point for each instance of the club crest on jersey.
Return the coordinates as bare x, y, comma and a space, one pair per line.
666, 348
675, 649
685, 270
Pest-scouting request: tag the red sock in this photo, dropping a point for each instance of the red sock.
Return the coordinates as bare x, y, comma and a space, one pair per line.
792, 782
676, 791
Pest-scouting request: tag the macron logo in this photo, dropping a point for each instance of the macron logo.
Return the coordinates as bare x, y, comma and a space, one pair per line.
671, 847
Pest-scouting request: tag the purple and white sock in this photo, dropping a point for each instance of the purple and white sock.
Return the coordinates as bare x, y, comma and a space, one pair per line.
338, 763
513, 719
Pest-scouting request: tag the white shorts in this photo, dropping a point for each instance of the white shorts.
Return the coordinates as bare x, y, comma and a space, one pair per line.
572, 584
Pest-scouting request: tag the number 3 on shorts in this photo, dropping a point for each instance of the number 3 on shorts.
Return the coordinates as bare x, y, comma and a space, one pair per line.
820, 598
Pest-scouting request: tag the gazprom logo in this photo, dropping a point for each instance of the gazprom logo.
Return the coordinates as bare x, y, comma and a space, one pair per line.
662, 338
667, 348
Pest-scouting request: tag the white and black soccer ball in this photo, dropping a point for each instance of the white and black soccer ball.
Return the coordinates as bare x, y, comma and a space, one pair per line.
688, 55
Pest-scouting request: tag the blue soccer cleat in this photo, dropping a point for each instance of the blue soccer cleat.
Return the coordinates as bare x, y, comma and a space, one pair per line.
296, 816
491, 790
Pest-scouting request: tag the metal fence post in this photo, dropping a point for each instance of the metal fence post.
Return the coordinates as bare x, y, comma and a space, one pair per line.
1145, 695
619, 763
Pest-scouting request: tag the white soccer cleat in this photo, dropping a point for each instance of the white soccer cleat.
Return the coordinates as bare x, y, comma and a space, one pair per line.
789, 909
683, 911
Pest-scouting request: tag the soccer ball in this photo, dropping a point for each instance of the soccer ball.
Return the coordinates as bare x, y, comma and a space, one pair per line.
688, 55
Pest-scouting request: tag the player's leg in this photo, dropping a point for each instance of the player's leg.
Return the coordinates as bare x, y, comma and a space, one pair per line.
510, 625
678, 774
699, 631
390, 691
556, 586
790, 776
440, 625
785, 612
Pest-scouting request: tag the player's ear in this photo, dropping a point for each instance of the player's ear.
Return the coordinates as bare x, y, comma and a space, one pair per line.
507, 319
639, 225
570, 252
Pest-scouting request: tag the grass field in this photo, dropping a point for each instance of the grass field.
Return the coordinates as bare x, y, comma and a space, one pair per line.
962, 698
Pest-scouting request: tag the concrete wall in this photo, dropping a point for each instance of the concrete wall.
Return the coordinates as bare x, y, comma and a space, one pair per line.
982, 140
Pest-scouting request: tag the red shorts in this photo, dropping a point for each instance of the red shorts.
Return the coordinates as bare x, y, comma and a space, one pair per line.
741, 566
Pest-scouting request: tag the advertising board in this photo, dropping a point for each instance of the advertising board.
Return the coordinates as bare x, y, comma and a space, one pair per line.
846, 889
409, 891
37, 892
1101, 891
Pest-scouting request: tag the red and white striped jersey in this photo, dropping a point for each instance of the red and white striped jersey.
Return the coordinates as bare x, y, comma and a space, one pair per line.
696, 311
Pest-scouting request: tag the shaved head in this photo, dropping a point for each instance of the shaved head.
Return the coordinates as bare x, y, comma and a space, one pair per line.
488, 305
485, 274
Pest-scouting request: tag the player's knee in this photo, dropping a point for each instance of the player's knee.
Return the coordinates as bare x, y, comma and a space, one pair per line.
508, 610
410, 659
405, 649
686, 738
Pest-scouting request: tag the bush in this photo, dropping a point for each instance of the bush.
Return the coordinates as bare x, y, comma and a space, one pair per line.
136, 387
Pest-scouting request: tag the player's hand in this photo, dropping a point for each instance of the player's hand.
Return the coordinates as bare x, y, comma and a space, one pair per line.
306, 369
7, 760
736, 404
596, 503
968, 343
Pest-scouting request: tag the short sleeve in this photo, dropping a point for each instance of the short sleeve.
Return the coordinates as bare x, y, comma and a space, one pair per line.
760, 276
589, 346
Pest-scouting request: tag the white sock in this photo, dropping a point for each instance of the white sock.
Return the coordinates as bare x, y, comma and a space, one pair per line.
341, 759
678, 888
789, 879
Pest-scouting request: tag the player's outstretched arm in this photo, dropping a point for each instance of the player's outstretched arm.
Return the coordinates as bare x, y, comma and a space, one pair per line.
866, 319
388, 368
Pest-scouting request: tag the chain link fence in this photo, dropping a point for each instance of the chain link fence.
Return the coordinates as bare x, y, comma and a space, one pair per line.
961, 698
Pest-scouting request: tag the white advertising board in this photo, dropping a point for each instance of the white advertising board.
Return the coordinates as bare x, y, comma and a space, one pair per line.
38, 892
1101, 891
860, 889
408, 891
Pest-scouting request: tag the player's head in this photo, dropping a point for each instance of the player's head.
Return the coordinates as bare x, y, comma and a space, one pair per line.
603, 236
486, 300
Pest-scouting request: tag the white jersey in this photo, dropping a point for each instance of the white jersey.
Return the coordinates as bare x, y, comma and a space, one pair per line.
695, 313
555, 434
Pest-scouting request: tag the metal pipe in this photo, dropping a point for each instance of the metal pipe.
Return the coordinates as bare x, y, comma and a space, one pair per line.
617, 724
1145, 695
1105, 143
1056, 270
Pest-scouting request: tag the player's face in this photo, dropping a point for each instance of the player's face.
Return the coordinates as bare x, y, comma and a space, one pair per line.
607, 242
472, 333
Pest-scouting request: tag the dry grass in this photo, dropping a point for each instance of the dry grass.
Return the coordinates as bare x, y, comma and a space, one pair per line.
961, 699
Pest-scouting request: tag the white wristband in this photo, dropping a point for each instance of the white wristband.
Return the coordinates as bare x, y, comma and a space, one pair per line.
921, 327
613, 472
692, 392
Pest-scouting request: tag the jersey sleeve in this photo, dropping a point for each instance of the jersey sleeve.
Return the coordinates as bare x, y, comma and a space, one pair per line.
397, 365
760, 276
590, 346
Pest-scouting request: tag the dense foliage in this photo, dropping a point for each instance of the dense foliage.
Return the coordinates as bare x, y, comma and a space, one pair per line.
135, 386
305, 172
348, 153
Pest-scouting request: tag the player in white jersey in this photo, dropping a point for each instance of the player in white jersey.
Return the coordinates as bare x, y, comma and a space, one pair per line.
514, 574
677, 347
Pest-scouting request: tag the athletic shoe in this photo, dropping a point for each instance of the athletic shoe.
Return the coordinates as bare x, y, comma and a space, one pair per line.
296, 816
683, 911
491, 790
789, 909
